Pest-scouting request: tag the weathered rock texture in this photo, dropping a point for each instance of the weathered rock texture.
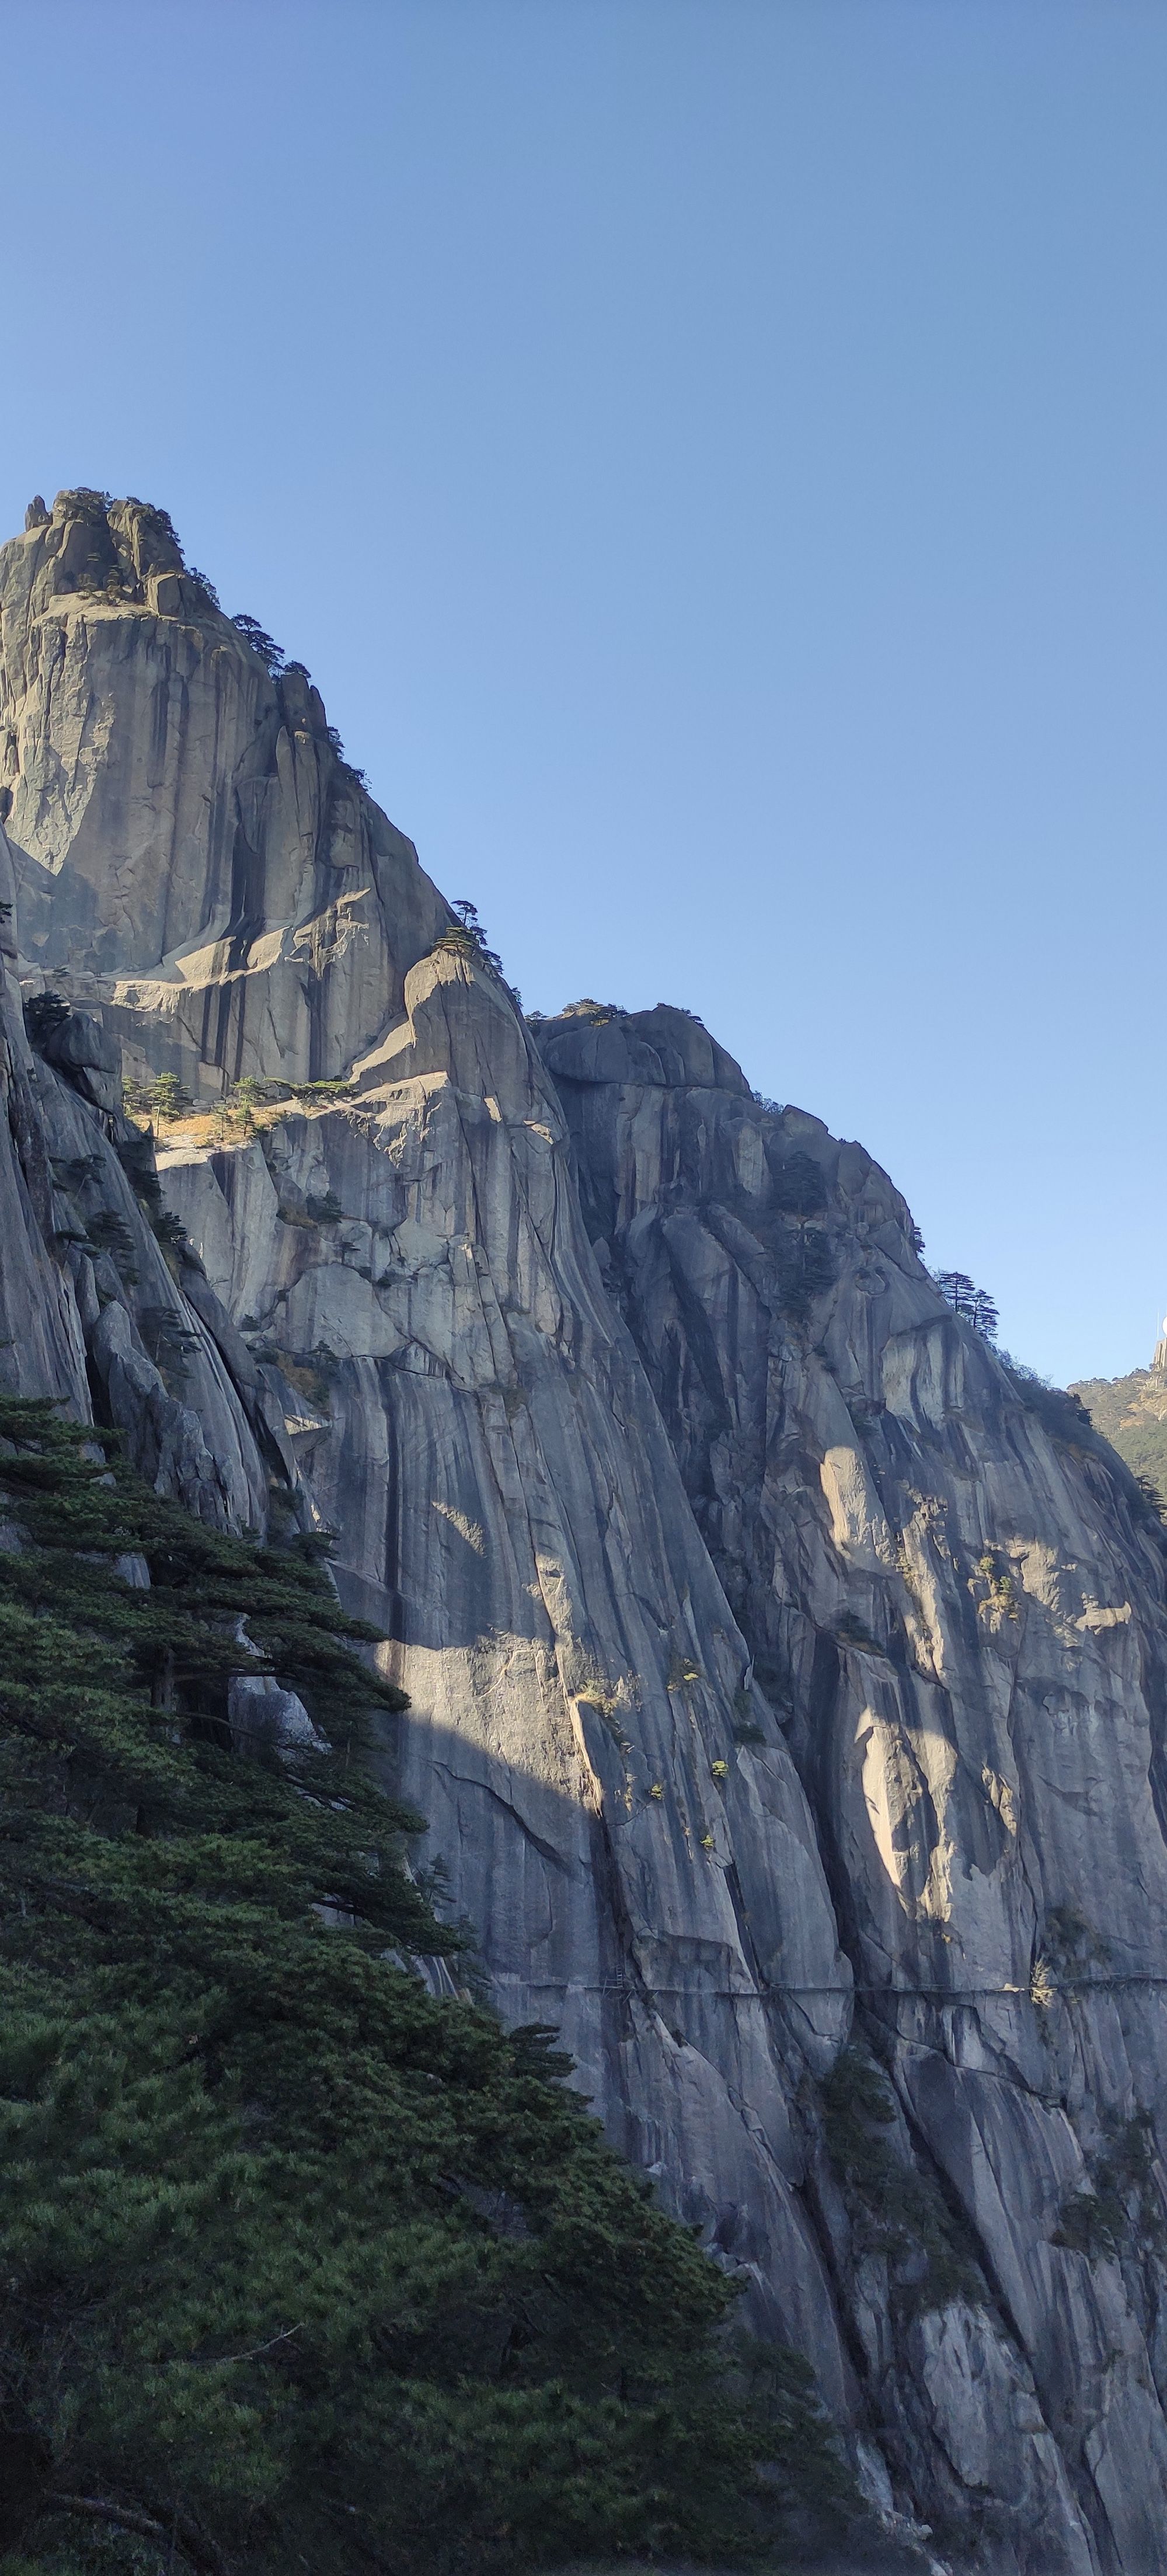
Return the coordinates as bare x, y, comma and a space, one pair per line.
193, 837
954, 1595
762, 1632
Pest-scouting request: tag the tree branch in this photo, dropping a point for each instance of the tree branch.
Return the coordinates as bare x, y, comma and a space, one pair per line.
196, 2547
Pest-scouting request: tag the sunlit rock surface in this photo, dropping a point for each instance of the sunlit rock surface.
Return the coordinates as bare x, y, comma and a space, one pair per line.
763, 1634
192, 836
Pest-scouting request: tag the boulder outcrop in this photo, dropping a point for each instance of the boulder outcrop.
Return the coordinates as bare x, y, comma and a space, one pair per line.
786, 1672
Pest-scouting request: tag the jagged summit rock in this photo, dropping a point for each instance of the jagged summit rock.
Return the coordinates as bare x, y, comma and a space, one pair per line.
671, 1045
787, 1675
193, 850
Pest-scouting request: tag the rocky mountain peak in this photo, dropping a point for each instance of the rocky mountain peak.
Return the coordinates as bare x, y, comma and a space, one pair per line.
787, 1674
194, 853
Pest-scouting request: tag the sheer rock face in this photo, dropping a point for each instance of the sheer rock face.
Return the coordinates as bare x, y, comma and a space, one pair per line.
760, 1628
955, 1594
473, 1421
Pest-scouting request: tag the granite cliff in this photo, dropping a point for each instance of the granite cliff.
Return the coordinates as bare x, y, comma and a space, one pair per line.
786, 1673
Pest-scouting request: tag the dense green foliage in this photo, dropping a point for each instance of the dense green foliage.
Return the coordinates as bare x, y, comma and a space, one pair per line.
1131, 1412
797, 1186
300, 2267
163, 1097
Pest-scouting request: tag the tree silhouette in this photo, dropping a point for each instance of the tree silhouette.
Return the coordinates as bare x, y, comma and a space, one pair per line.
257, 637
468, 916
974, 1305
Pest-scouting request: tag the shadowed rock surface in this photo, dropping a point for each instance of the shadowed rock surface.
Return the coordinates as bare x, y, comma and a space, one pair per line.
763, 1633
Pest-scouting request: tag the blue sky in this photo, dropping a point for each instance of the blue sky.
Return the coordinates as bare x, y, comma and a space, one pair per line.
711, 455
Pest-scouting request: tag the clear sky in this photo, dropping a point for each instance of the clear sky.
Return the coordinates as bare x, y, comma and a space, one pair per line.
711, 454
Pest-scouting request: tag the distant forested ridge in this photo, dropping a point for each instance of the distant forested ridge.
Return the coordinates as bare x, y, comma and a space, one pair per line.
1131, 1412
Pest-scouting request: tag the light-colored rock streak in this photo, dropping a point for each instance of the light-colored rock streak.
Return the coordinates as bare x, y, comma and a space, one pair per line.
727, 1573
509, 1508
956, 1596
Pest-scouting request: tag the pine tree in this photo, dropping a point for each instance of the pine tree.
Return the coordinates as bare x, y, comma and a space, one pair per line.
303, 2268
257, 638
474, 929
967, 1300
167, 1096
